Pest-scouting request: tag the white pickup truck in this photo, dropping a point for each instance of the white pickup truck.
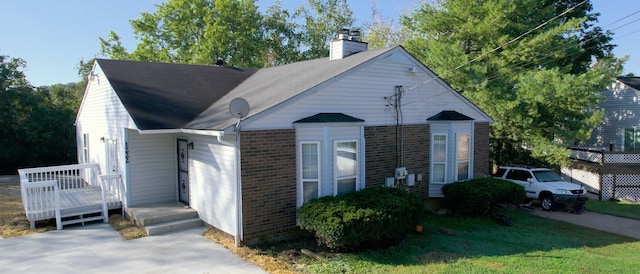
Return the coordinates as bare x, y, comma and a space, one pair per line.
545, 185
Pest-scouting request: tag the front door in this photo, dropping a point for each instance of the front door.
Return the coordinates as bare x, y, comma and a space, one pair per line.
183, 171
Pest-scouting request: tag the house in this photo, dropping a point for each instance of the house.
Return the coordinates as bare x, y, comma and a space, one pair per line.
608, 164
620, 128
321, 127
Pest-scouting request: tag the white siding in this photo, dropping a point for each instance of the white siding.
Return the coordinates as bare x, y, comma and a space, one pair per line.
102, 115
621, 108
212, 178
361, 94
152, 168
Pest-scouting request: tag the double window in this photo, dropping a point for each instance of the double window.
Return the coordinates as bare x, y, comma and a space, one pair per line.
450, 161
344, 166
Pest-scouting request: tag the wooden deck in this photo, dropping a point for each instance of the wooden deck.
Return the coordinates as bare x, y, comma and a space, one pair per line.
74, 202
70, 194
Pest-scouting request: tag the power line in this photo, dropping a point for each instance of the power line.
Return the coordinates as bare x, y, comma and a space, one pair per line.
501, 46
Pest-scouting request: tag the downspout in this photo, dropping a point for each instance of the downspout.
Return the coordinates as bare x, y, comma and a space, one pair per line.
238, 237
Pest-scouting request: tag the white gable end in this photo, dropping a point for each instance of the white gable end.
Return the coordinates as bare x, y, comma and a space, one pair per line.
364, 93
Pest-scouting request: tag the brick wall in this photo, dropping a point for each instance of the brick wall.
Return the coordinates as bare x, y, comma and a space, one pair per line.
268, 159
382, 156
481, 150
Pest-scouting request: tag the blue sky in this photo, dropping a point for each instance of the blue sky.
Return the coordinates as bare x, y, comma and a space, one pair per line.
53, 36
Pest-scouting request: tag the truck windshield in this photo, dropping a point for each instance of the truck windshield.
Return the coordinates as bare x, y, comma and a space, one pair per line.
547, 176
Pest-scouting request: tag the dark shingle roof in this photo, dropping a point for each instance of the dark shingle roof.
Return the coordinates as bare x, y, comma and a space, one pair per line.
329, 118
449, 115
169, 96
633, 82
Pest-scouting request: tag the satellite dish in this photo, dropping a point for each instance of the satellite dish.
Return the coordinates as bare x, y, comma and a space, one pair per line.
239, 108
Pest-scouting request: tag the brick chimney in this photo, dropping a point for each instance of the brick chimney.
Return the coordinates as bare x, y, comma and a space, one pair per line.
348, 43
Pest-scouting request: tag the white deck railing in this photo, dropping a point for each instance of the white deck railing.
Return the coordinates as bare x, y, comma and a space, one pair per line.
42, 187
41, 201
68, 176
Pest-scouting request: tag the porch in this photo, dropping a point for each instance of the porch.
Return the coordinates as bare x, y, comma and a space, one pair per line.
70, 194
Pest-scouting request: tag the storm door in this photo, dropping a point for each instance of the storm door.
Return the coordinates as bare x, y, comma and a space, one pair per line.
111, 150
183, 171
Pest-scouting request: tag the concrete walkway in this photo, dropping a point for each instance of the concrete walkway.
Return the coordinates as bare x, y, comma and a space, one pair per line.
97, 248
618, 225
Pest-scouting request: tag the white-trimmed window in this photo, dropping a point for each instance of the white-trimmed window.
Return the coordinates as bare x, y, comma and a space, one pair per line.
463, 157
346, 167
310, 171
85, 148
439, 158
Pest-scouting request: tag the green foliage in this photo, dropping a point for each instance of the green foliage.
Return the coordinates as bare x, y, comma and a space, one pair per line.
481, 196
203, 31
540, 88
322, 20
361, 219
37, 123
381, 32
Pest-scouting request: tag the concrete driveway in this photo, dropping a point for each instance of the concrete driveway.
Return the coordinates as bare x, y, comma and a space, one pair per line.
97, 248
618, 225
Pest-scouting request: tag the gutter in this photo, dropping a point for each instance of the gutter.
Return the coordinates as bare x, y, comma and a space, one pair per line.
204, 132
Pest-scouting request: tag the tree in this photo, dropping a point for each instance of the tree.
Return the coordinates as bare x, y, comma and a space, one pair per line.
282, 37
381, 32
535, 74
195, 32
37, 123
322, 21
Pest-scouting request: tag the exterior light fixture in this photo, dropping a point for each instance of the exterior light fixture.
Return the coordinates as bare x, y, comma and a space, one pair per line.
413, 70
190, 145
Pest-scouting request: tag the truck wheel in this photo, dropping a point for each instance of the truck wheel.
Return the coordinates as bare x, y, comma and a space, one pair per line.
546, 202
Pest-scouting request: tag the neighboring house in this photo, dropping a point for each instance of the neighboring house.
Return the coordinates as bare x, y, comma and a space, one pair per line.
620, 128
320, 127
608, 164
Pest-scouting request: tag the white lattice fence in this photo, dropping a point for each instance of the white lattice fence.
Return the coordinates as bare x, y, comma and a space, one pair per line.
623, 158
627, 187
606, 192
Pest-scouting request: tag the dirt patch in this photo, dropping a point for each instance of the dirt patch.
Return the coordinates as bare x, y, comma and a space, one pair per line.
13, 221
127, 229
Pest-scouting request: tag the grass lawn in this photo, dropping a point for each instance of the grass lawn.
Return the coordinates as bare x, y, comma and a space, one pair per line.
468, 245
616, 208
477, 245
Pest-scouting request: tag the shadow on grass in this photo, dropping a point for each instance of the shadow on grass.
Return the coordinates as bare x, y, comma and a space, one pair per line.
447, 239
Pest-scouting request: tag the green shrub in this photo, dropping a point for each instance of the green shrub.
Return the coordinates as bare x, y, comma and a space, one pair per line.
481, 196
361, 219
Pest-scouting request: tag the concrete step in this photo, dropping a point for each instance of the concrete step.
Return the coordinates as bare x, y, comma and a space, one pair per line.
172, 226
160, 214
